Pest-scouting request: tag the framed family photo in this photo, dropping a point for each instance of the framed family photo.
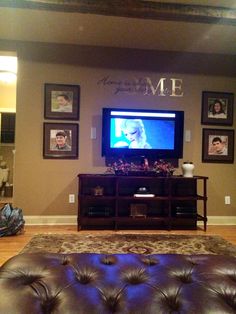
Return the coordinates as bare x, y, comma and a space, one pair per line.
60, 140
61, 101
218, 145
217, 108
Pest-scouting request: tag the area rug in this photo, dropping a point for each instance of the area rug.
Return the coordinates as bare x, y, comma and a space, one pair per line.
129, 243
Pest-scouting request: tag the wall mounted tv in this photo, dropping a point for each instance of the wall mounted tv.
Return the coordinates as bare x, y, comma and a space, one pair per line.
139, 132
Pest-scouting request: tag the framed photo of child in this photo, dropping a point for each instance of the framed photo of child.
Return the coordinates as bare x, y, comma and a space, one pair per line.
61, 101
60, 140
217, 108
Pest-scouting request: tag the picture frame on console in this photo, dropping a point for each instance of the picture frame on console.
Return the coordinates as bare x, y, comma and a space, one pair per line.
217, 108
218, 145
60, 140
61, 101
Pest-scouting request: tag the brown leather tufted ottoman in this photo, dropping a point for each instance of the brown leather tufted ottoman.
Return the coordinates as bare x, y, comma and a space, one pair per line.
120, 283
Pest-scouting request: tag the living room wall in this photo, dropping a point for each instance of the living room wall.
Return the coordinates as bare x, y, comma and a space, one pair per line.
42, 186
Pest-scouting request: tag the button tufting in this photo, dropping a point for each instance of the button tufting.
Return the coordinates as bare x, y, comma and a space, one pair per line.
185, 278
112, 298
48, 306
89, 285
28, 279
173, 303
232, 276
148, 260
108, 260
192, 262
85, 276
65, 262
135, 276
229, 297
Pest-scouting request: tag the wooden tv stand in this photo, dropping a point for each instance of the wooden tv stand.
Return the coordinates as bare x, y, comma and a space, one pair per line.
109, 202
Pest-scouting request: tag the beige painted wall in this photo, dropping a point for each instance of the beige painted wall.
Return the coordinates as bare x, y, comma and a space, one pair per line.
41, 186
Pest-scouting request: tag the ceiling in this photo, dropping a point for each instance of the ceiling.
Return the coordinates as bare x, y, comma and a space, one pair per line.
188, 26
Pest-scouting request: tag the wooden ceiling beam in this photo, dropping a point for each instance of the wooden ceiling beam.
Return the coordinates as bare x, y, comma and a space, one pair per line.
133, 9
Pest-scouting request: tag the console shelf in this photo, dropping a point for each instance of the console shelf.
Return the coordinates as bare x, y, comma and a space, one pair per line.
176, 202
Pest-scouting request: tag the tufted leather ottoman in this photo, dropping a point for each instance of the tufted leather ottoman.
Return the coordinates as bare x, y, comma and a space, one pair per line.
121, 283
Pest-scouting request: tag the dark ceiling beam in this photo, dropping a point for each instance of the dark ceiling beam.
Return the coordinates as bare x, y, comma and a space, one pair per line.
133, 9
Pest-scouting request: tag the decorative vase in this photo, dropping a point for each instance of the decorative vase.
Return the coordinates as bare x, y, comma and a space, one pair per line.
187, 169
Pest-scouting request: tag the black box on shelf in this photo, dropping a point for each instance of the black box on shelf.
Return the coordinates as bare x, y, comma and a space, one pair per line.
99, 211
182, 211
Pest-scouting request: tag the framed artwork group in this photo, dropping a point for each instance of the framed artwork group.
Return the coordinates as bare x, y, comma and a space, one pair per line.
61, 102
217, 144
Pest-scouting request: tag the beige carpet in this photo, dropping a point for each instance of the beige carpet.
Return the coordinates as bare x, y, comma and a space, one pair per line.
129, 243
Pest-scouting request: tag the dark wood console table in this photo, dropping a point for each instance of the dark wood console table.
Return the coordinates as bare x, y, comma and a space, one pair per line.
112, 202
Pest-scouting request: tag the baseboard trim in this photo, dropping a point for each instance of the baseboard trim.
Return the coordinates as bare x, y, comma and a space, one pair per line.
72, 220
221, 220
50, 220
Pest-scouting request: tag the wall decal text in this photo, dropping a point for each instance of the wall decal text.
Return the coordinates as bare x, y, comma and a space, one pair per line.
163, 86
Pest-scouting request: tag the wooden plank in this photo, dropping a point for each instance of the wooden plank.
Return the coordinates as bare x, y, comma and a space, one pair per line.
134, 9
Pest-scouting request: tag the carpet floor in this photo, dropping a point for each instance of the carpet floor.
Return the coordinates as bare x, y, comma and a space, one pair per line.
130, 243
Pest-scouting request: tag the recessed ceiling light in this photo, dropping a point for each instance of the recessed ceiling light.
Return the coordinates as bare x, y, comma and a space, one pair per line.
8, 69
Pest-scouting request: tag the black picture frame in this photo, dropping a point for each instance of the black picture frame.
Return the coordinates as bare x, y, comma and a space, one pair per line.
218, 145
51, 148
212, 100
61, 101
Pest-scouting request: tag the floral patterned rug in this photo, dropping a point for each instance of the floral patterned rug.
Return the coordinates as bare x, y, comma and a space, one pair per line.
129, 243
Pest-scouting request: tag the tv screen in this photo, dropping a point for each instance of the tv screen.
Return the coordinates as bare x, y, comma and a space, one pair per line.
150, 133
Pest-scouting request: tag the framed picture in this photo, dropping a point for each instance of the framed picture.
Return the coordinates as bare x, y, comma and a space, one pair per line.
217, 108
218, 145
61, 101
60, 140
138, 210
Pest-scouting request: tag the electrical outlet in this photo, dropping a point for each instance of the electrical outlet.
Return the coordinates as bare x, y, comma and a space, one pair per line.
227, 200
71, 198
187, 136
93, 133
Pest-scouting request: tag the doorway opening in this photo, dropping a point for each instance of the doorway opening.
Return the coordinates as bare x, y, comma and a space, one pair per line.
8, 81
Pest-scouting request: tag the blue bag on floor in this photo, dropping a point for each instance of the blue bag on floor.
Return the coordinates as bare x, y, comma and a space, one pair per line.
11, 220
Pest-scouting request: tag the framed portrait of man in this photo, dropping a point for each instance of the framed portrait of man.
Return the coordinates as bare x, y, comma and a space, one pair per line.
60, 140
61, 101
218, 145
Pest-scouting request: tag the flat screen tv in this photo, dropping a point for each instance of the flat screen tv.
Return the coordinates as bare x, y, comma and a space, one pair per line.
139, 132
